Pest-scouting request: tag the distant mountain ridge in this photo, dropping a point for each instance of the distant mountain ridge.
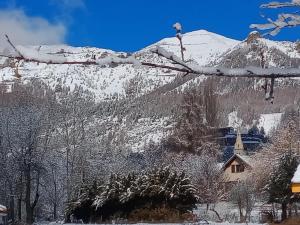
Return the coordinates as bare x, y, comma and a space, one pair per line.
202, 47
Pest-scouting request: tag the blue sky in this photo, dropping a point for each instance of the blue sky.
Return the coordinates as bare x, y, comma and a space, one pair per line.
129, 25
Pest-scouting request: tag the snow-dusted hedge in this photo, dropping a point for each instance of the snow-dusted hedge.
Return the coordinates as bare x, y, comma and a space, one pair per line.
123, 194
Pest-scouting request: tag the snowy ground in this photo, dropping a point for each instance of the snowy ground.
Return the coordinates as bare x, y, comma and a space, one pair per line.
269, 121
227, 211
211, 223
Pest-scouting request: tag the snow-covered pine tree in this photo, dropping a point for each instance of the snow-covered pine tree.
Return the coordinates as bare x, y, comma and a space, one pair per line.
158, 188
81, 205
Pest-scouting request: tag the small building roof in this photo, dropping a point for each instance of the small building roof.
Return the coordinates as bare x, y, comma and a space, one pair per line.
296, 177
3, 210
244, 159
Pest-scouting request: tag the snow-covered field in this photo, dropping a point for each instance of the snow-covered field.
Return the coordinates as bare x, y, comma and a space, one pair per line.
268, 121
199, 223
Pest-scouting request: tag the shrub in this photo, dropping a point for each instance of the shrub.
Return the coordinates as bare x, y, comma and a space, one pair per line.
160, 190
166, 215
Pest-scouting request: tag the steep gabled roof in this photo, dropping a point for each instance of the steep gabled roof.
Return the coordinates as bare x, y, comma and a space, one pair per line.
245, 159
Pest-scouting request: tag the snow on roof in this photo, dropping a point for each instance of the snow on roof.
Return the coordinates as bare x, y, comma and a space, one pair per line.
246, 159
296, 177
3, 209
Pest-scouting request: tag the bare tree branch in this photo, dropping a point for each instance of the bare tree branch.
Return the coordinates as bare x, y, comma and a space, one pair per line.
13, 46
179, 65
284, 20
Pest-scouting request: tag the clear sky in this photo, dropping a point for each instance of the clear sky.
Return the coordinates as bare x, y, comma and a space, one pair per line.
128, 25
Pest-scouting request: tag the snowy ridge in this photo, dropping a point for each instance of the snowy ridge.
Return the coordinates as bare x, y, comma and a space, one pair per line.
112, 81
106, 82
201, 46
103, 81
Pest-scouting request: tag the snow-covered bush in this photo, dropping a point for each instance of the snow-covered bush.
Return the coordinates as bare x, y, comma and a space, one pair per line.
121, 197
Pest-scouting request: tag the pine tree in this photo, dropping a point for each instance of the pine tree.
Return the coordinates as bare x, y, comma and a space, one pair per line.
279, 187
262, 131
253, 130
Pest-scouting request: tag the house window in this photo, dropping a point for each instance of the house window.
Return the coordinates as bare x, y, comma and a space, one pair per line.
237, 168
233, 169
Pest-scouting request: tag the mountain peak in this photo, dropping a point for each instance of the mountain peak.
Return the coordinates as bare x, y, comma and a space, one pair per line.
201, 45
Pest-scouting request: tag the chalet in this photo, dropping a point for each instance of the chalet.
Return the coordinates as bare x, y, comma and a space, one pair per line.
3, 215
238, 166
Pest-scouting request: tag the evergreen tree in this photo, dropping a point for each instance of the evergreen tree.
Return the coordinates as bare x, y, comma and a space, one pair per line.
154, 189
279, 187
262, 131
253, 130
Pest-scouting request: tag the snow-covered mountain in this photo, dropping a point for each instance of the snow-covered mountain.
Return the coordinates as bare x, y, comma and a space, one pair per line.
108, 83
105, 82
201, 46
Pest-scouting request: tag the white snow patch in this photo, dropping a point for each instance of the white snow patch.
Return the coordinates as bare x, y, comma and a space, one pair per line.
147, 130
33, 54
234, 121
177, 26
269, 121
202, 46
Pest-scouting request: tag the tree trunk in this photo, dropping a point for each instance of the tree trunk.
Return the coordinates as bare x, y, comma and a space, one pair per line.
12, 208
218, 215
29, 215
284, 211
20, 208
55, 195
242, 217
55, 211
28, 205
290, 210
28, 208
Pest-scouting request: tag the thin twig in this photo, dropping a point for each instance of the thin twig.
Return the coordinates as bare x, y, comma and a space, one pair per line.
13, 46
